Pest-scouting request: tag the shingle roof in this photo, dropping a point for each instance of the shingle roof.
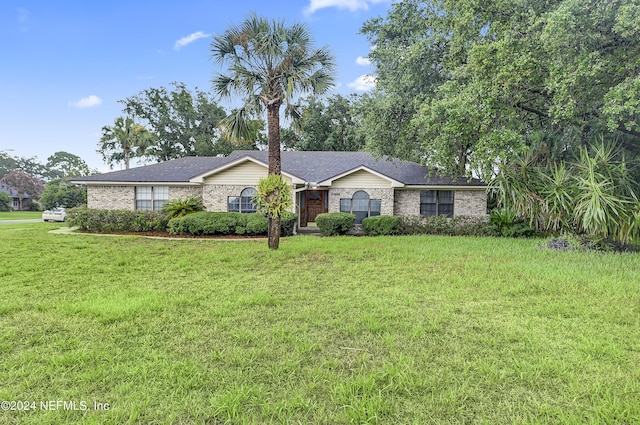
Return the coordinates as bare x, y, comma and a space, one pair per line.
310, 166
12, 192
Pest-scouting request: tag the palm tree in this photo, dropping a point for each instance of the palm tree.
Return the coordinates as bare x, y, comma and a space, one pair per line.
270, 64
123, 138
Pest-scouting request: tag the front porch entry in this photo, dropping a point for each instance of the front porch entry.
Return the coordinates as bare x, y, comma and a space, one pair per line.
312, 203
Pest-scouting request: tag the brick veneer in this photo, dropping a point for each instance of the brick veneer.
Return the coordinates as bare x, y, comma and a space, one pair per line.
111, 197
471, 203
385, 195
215, 198
124, 197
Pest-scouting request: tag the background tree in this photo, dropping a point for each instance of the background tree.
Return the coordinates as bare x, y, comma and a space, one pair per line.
123, 140
62, 193
184, 123
23, 183
485, 76
7, 163
64, 164
327, 126
5, 202
269, 65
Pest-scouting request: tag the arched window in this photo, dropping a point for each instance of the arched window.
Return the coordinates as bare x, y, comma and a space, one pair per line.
361, 206
243, 203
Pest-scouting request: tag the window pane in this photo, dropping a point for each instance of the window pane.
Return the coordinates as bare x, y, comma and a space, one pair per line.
161, 192
376, 205
143, 192
445, 196
234, 203
427, 196
360, 215
445, 209
361, 194
247, 205
248, 192
157, 205
427, 210
143, 205
345, 205
360, 205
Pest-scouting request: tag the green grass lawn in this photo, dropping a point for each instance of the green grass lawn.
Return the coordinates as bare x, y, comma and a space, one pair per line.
20, 215
399, 330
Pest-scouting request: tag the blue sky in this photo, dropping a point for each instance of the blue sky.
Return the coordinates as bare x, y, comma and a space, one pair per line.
66, 63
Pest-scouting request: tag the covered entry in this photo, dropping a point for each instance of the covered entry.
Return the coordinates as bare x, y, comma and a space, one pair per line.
312, 203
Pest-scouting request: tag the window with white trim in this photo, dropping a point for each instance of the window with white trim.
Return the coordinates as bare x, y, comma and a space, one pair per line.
436, 202
361, 206
243, 203
151, 198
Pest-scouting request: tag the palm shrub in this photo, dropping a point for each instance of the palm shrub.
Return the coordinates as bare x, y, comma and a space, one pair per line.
183, 206
594, 194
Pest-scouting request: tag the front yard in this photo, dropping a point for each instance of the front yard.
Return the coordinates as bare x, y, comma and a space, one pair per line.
20, 215
390, 330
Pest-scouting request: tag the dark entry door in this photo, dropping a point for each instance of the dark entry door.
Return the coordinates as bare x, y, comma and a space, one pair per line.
316, 203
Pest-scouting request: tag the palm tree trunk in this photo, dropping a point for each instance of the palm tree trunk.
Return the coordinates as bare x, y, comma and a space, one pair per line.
127, 154
275, 166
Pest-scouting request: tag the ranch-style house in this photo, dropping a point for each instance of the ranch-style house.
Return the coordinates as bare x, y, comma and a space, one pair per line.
321, 182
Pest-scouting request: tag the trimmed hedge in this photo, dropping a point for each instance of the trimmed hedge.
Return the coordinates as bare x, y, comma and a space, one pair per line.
382, 225
228, 223
332, 224
105, 221
441, 225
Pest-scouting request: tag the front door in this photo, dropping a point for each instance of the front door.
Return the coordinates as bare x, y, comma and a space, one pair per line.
316, 203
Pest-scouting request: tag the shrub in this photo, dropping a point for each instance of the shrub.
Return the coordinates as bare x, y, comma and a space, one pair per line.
228, 223
104, 221
507, 224
441, 225
288, 221
183, 206
257, 224
5, 202
208, 223
382, 225
331, 224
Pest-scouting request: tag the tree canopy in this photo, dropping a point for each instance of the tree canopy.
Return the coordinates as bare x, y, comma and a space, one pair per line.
326, 126
182, 122
463, 85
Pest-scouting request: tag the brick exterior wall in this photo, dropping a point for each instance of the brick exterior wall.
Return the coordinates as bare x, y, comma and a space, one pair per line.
111, 197
385, 195
124, 197
472, 203
216, 196
407, 202
176, 192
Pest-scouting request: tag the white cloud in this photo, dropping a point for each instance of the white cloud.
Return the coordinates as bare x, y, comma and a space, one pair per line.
361, 60
351, 5
363, 83
189, 39
87, 102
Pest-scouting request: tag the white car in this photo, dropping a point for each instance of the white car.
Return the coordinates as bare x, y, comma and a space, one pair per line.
55, 214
